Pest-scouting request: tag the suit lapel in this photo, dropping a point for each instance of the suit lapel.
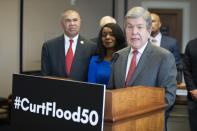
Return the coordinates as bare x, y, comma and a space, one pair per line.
123, 66
141, 63
78, 52
162, 41
62, 53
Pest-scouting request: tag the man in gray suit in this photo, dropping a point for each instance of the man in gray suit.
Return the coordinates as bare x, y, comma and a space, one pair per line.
154, 66
54, 52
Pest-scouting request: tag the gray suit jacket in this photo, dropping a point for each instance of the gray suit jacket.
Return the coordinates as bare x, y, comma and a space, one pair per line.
54, 60
156, 68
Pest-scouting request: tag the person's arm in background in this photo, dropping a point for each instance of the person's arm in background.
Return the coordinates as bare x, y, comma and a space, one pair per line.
190, 84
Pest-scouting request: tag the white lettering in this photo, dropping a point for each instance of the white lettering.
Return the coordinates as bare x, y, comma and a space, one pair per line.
95, 114
48, 108
76, 115
38, 108
54, 108
43, 108
81, 115
85, 115
59, 113
33, 108
22, 104
67, 115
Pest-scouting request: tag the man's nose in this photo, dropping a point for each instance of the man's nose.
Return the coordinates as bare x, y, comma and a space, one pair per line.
72, 22
134, 30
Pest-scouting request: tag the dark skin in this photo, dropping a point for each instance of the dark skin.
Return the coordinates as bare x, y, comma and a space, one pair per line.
109, 54
109, 42
194, 94
156, 24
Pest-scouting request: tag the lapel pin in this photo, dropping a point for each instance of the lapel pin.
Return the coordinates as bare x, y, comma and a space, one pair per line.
81, 42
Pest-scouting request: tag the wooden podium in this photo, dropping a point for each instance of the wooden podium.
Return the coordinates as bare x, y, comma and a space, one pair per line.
135, 109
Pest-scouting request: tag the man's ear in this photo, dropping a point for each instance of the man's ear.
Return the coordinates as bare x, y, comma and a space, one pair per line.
160, 24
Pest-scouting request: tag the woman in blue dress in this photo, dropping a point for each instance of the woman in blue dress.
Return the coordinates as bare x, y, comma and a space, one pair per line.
110, 40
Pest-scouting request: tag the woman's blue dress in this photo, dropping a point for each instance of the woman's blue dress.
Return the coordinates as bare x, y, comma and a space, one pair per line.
99, 72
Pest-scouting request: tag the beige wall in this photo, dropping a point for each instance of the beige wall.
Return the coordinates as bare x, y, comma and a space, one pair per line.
9, 44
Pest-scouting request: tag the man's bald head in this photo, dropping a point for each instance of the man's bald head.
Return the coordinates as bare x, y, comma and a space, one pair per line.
106, 19
156, 24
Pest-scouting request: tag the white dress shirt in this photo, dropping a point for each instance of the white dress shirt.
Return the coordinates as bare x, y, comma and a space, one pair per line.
158, 39
67, 43
130, 56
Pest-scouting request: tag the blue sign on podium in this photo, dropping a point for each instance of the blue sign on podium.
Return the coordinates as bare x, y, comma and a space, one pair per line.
49, 104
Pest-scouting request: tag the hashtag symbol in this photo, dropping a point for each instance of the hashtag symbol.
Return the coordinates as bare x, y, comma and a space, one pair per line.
17, 102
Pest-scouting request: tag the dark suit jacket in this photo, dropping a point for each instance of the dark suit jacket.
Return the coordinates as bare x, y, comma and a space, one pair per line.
156, 68
190, 66
54, 60
94, 39
171, 44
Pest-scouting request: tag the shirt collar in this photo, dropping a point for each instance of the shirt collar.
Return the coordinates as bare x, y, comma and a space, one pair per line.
157, 37
74, 38
141, 50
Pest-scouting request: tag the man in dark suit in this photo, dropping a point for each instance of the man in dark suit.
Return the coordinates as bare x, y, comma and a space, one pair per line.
163, 41
190, 75
69, 54
150, 66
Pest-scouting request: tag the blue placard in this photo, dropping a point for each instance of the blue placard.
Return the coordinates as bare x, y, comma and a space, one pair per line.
50, 104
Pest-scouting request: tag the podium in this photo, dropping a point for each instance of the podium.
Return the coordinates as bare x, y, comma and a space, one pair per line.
136, 108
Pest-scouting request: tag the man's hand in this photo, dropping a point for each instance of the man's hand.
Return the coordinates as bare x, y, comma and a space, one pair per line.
194, 94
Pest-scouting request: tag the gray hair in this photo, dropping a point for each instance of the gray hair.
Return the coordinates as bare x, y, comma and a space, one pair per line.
107, 19
69, 11
137, 12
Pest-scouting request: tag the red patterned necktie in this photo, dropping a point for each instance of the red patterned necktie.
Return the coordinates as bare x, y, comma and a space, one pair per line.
69, 58
131, 67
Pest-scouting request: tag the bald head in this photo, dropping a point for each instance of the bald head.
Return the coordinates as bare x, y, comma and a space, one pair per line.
156, 24
107, 19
